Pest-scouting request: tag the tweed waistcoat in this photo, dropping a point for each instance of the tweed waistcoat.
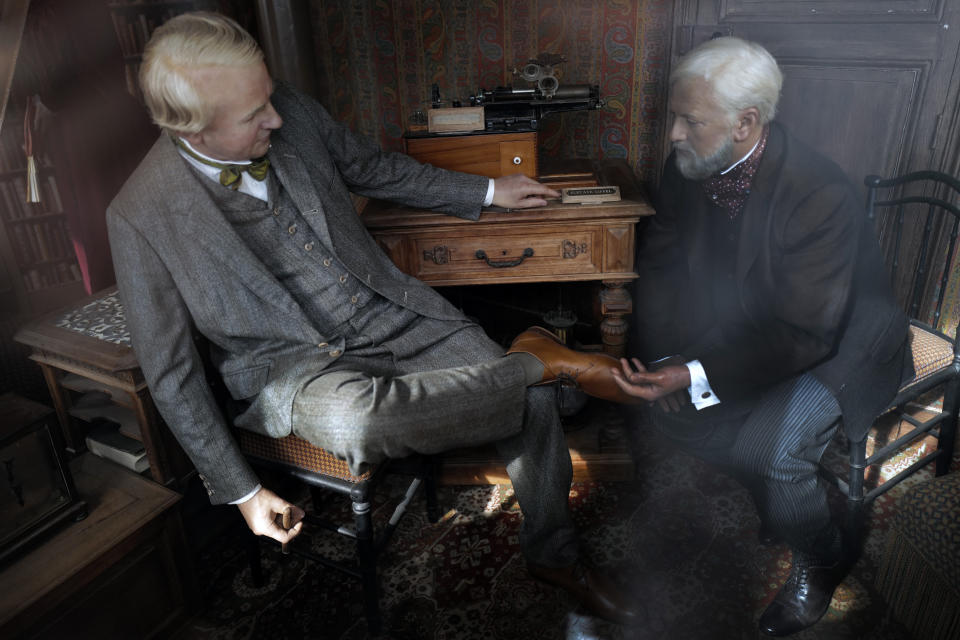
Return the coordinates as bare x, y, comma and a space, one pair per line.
301, 260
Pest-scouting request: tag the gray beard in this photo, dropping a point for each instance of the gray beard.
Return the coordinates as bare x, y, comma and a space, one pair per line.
694, 167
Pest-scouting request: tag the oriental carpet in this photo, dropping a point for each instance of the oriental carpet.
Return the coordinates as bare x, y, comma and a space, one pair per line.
681, 537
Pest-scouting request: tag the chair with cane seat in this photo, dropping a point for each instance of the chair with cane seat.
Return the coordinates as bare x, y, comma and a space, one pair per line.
913, 414
297, 459
320, 471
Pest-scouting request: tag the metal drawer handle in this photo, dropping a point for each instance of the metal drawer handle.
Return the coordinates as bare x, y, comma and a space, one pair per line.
517, 159
482, 255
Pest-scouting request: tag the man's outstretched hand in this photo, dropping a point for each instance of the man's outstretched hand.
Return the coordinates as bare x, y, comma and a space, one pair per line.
520, 192
261, 513
667, 385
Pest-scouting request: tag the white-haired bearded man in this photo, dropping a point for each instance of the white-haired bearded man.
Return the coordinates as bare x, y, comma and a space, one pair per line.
767, 313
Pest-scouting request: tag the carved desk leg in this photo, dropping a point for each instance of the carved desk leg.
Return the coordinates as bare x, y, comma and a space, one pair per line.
615, 305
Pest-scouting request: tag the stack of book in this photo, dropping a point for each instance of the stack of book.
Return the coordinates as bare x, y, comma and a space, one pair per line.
105, 440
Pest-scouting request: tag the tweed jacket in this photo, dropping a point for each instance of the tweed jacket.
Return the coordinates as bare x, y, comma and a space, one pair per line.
182, 269
809, 282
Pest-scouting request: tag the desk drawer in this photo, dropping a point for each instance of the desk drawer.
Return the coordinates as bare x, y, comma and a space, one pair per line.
498, 253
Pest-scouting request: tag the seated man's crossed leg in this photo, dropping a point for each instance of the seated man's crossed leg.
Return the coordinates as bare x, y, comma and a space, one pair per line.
461, 391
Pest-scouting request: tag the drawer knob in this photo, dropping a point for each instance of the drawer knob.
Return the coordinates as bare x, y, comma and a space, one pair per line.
500, 264
517, 160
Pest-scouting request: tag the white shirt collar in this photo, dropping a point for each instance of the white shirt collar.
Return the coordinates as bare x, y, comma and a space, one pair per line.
255, 188
749, 153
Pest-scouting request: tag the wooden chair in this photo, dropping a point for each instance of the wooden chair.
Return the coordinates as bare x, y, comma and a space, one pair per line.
297, 458
936, 356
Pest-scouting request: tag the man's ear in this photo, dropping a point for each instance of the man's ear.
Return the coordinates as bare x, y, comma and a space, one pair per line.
195, 139
747, 122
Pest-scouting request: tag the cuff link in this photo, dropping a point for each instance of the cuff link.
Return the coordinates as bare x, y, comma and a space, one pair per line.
705, 395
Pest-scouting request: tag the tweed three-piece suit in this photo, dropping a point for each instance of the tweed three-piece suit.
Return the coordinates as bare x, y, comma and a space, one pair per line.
311, 325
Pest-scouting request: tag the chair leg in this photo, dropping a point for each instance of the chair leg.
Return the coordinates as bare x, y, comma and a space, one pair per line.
948, 429
367, 559
853, 524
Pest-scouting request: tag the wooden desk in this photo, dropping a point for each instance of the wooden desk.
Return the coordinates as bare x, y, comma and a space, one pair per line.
556, 243
87, 348
124, 571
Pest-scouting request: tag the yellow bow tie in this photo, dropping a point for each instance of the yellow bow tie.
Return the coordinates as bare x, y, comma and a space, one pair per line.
231, 174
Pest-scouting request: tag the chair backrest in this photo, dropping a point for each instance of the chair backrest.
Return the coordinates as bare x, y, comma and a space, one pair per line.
933, 197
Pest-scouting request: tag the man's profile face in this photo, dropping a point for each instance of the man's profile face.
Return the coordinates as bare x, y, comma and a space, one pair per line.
243, 116
701, 133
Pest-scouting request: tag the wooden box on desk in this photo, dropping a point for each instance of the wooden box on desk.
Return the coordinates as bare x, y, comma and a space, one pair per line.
486, 154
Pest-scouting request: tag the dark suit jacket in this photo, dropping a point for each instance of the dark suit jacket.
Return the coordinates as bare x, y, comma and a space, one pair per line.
809, 282
181, 268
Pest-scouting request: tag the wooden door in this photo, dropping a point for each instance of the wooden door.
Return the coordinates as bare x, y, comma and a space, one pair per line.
871, 83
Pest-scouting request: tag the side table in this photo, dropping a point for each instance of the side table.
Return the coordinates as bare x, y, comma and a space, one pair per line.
87, 348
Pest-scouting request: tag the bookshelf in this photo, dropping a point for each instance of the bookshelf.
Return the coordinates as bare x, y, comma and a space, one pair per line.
39, 246
133, 23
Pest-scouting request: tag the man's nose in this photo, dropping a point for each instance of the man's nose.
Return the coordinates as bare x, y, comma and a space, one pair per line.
273, 121
677, 132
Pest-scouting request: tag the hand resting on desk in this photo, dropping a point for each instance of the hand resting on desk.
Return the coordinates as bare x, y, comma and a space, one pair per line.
520, 192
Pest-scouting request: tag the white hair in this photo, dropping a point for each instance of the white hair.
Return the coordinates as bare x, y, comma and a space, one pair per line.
179, 47
742, 74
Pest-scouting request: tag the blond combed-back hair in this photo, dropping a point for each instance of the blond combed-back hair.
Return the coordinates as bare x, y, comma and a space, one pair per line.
742, 74
178, 47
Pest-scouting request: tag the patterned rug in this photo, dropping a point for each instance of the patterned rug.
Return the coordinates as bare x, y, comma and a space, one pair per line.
682, 538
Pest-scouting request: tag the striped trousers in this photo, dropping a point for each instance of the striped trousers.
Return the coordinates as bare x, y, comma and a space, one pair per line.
773, 447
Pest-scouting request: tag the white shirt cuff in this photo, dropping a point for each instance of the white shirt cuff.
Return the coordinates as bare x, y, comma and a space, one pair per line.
701, 395
249, 495
489, 199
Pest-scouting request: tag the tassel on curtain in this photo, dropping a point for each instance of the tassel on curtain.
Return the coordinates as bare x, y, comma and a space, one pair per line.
33, 189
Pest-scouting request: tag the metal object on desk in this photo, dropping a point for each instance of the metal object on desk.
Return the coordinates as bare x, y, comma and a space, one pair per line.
590, 195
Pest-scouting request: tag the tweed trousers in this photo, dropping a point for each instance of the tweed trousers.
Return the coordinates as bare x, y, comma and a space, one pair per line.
773, 447
370, 407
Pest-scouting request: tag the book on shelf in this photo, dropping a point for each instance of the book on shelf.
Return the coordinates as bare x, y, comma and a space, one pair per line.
105, 440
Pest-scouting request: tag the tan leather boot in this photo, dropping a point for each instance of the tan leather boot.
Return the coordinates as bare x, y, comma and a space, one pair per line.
588, 371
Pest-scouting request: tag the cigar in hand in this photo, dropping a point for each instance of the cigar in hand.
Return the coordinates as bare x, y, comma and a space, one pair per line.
285, 521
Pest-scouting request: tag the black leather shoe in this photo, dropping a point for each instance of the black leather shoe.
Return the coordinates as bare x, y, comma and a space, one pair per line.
804, 597
594, 591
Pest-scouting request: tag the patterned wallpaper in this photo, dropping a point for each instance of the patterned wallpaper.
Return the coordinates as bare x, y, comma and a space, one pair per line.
377, 60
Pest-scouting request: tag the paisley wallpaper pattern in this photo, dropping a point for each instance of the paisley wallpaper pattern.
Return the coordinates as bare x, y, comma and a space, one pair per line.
377, 60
